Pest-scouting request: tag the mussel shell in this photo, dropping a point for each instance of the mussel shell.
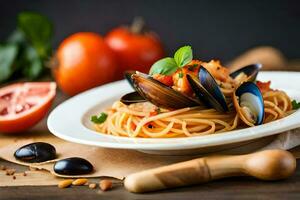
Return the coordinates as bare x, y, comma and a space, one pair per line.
207, 90
249, 92
132, 97
128, 75
160, 94
250, 70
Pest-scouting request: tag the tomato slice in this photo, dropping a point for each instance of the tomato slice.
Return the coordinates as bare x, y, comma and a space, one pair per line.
22, 105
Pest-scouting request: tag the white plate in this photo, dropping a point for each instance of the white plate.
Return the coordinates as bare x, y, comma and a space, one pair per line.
71, 120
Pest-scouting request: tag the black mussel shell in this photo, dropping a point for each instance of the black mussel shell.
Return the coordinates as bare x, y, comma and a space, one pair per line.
160, 94
207, 90
73, 166
250, 70
250, 95
133, 97
36, 152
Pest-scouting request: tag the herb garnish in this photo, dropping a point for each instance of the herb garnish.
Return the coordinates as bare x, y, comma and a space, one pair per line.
295, 104
99, 119
167, 66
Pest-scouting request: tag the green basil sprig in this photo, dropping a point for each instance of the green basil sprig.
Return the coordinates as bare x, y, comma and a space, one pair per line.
167, 66
295, 105
99, 119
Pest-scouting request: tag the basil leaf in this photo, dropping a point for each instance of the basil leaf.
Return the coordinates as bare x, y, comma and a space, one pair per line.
183, 56
295, 105
38, 30
165, 66
99, 119
8, 54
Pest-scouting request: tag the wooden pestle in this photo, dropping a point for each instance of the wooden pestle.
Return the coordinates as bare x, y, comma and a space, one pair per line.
265, 165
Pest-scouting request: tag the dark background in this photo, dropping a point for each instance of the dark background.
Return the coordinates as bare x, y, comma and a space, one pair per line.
215, 29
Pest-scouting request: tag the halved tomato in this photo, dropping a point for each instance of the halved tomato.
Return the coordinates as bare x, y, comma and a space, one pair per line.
22, 105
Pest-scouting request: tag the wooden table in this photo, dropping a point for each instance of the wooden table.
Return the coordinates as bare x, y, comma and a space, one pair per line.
230, 188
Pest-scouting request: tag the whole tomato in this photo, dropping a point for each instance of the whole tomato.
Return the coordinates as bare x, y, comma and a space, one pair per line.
135, 48
83, 61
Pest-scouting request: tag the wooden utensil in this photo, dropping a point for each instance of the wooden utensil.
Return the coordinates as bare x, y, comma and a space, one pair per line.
265, 165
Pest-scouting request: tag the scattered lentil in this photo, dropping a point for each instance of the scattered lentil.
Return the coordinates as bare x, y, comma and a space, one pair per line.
80, 181
65, 183
105, 185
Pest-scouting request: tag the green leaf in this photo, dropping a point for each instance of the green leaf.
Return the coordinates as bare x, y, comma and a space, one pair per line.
34, 66
165, 66
99, 119
8, 54
17, 37
183, 56
38, 30
295, 104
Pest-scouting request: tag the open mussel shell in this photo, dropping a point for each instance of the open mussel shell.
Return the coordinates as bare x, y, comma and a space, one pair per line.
207, 90
250, 71
160, 94
132, 97
249, 103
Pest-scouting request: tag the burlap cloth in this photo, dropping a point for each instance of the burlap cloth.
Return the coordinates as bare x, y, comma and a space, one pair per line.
107, 162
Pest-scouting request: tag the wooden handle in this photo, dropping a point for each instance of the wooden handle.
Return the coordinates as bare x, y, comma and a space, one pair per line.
265, 165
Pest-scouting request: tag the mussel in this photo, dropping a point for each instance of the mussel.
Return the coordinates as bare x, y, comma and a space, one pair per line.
247, 73
160, 94
207, 89
249, 103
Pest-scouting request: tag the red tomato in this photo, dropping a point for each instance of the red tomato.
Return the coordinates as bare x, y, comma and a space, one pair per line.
84, 61
22, 105
165, 79
135, 51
